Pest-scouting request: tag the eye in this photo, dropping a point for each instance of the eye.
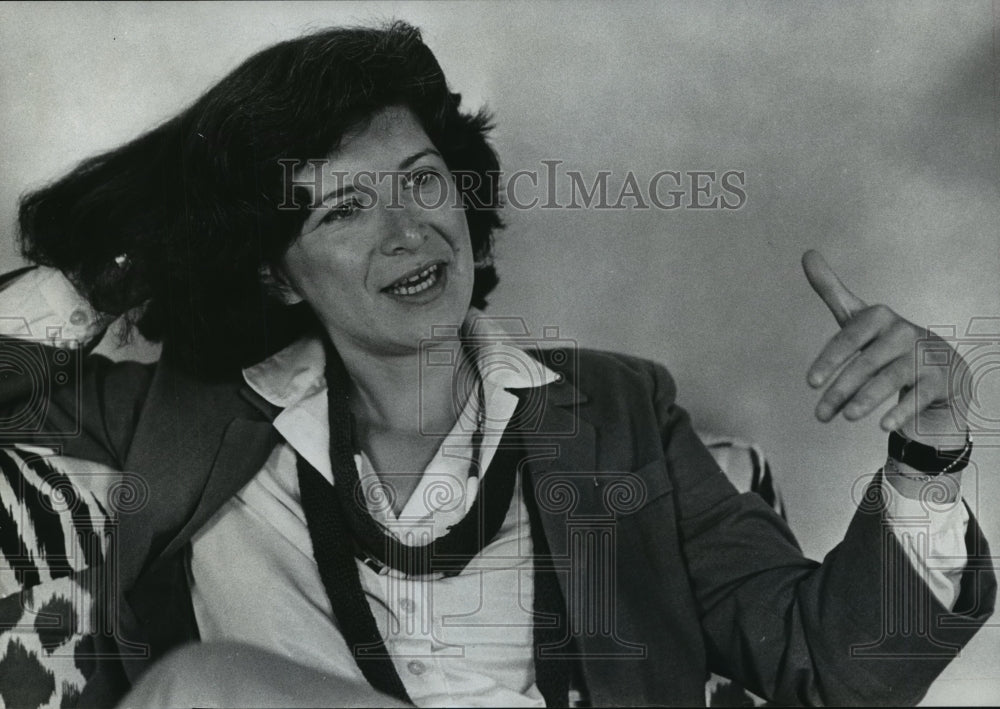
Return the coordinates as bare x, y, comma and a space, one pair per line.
423, 177
341, 212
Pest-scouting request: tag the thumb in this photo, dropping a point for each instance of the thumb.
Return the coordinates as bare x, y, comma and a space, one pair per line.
841, 302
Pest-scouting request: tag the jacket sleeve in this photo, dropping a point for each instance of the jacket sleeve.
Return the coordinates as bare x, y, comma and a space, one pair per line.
53, 392
859, 629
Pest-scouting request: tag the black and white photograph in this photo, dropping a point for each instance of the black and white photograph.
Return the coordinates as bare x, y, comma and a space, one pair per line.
499, 354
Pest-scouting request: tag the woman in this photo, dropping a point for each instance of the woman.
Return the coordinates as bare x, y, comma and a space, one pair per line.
502, 527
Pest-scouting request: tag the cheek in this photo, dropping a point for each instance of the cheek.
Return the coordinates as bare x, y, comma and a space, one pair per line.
458, 226
314, 274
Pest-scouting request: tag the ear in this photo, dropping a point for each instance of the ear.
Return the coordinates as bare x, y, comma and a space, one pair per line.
277, 286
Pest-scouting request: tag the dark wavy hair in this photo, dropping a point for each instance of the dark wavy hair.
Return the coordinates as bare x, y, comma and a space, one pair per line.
193, 203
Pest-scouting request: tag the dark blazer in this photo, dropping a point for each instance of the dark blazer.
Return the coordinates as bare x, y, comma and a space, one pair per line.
668, 573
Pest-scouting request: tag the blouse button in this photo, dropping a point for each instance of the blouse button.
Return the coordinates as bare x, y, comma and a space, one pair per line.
78, 317
408, 605
416, 667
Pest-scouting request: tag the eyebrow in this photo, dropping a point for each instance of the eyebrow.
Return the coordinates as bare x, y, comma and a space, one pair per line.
416, 156
341, 191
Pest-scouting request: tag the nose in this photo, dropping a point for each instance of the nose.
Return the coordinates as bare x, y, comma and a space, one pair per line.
404, 233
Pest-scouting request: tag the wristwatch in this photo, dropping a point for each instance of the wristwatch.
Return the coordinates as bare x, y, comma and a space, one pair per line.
928, 459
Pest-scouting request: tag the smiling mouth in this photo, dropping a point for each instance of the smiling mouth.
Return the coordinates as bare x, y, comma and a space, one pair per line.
416, 283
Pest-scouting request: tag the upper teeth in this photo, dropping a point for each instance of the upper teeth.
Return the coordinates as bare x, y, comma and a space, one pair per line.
416, 283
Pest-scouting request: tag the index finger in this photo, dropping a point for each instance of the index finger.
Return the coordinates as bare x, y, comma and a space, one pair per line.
841, 301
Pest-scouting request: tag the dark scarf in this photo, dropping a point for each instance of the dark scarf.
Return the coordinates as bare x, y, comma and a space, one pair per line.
341, 530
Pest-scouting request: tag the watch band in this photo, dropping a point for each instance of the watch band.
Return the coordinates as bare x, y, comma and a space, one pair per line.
928, 459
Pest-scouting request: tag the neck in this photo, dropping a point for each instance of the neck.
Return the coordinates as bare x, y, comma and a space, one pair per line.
398, 393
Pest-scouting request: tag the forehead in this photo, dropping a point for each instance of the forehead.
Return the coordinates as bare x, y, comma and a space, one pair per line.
387, 138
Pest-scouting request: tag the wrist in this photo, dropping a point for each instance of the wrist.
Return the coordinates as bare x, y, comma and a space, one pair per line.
940, 457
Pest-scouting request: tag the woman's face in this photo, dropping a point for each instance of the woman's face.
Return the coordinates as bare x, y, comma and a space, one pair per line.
385, 253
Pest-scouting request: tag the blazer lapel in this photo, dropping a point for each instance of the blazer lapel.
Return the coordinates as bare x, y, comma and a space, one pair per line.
575, 502
560, 450
245, 448
554, 433
190, 462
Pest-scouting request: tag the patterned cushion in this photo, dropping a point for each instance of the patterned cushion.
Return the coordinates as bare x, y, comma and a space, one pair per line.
53, 540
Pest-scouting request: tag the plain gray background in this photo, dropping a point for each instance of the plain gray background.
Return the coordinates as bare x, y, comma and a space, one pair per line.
870, 131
